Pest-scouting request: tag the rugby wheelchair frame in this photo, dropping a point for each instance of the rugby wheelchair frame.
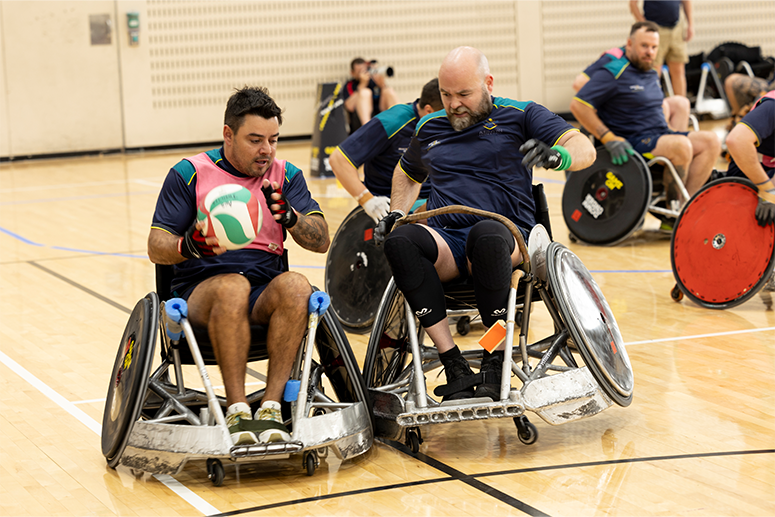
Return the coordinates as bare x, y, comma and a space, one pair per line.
155, 423
604, 204
720, 255
553, 384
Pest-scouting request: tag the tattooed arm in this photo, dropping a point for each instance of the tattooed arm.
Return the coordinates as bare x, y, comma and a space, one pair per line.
311, 232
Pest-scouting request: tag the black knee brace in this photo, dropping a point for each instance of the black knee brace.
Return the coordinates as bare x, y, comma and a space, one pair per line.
411, 252
489, 248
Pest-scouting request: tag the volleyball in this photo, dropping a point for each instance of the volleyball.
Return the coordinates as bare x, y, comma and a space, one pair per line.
232, 214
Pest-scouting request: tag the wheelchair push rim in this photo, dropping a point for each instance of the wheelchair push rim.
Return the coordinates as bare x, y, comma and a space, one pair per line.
129, 378
605, 203
356, 273
720, 255
591, 323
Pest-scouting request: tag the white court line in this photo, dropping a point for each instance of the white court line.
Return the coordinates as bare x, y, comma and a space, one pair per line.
173, 484
698, 336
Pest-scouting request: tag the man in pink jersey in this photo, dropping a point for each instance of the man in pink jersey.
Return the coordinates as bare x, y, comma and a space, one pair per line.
227, 291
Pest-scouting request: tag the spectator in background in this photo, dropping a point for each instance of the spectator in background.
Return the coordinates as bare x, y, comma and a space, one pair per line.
366, 94
672, 39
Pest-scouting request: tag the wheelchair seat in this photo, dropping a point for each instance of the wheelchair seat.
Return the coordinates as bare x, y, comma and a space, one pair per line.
154, 422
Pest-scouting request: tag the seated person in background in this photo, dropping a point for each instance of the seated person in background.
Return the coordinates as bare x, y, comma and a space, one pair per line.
366, 94
742, 91
479, 152
227, 291
621, 106
378, 146
676, 107
751, 145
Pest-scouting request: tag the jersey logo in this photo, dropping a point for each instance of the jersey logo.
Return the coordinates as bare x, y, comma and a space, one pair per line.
432, 144
636, 87
490, 125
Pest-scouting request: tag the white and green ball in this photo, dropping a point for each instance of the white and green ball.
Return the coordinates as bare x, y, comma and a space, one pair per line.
232, 214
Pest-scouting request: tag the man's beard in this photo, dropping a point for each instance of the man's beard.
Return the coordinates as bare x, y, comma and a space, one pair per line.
641, 65
482, 112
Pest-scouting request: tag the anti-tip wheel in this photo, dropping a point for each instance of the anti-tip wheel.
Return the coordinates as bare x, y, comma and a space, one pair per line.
526, 431
215, 471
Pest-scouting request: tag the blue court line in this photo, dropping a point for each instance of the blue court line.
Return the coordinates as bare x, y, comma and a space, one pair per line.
74, 198
130, 255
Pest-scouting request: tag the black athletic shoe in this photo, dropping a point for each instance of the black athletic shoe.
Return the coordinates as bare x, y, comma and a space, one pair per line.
492, 368
458, 369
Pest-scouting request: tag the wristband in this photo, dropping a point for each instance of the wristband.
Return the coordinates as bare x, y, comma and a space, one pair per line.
601, 136
763, 182
363, 197
180, 246
565, 155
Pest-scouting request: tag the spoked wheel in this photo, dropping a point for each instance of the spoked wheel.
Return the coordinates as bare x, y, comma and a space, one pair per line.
129, 378
388, 352
526, 431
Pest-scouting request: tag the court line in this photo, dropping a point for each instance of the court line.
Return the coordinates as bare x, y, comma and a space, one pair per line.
178, 488
698, 336
473, 477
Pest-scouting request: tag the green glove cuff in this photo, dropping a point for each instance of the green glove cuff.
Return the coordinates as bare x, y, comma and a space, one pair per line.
565, 155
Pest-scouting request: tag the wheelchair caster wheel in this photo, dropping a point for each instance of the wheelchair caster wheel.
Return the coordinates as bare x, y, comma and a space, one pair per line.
413, 440
464, 325
215, 471
526, 431
676, 294
310, 463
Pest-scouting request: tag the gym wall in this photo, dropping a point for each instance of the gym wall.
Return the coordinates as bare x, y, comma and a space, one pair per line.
73, 83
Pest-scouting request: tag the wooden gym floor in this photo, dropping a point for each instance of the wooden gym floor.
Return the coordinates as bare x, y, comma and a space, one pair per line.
698, 439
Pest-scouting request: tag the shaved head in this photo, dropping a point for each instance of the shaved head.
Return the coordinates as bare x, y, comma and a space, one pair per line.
465, 83
468, 58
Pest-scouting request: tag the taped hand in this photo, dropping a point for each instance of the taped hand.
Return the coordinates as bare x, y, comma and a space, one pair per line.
377, 207
385, 225
279, 207
538, 154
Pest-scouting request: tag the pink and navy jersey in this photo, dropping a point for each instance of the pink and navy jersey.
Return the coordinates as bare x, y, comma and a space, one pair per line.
481, 166
605, 58
186, 185
761, 120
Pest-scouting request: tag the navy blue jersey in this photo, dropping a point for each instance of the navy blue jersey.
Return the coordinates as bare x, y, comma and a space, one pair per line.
176, 212
664, 13
761, 120
481, 166
627, 100
380, 144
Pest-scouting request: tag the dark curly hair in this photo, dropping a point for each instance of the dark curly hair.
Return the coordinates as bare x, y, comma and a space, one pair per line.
250, 101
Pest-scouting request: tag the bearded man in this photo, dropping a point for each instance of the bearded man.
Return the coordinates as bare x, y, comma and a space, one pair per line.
621, 106
479, 152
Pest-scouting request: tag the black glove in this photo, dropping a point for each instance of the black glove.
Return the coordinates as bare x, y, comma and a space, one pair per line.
538, 154
619, 149
193, 246
765, 211
385, 225
288, 216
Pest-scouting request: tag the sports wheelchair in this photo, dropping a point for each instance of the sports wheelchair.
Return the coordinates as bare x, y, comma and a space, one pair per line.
577, 371
720, 255
605, 203
153, 422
